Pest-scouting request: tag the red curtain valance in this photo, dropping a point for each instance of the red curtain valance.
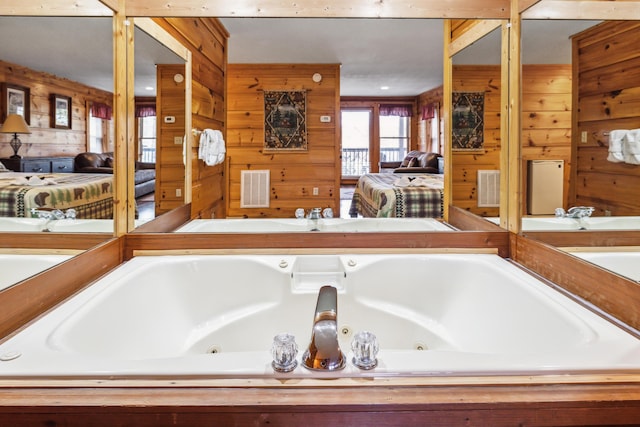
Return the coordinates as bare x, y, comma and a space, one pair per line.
101, 111
402, 110
145, 110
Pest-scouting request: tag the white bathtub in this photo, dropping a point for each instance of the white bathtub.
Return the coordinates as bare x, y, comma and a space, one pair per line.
287, 225
11, 224
624, 263
15, 268
566, 224
434, 314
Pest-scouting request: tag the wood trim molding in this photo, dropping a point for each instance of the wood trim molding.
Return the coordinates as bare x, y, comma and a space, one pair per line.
465, 220
167, 222
283, 242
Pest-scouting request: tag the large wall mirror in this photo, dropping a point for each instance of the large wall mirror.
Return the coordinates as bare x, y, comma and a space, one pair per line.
42, 70
555, 172
70, 100
602, 56
253, 69
477, 123
160, 125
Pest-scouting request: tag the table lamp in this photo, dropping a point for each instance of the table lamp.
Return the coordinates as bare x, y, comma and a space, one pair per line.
15, 124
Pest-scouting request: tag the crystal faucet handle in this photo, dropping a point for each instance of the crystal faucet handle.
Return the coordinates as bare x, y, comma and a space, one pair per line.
365, 350
284, 351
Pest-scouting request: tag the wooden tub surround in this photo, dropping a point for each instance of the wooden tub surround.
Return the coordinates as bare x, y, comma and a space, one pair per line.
542, 400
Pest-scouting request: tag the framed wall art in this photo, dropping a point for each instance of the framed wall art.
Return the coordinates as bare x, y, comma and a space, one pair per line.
15, 100
285, 124
60, 111
467, 121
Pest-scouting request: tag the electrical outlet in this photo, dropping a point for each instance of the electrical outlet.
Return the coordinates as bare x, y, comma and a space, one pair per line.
178, 192
583, 137
316, 191
177, 140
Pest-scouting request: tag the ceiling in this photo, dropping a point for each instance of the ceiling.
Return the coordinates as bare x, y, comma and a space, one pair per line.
403, 54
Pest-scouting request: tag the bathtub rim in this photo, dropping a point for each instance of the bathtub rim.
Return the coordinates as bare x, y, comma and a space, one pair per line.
520, 372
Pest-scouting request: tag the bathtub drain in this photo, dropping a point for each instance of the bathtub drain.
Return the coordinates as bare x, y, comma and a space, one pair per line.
214, 349
419, 346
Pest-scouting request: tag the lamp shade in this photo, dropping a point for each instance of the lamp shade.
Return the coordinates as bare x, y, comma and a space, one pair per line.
15, 124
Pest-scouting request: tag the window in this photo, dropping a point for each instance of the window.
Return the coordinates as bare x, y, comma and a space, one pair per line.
373, 132
147, 139
96, 134
99, 129
394, 138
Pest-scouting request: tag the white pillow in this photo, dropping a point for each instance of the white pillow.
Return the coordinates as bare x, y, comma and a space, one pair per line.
3, 168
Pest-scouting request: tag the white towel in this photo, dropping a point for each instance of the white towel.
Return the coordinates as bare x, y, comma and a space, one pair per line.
212, 149
615, 145
631, 147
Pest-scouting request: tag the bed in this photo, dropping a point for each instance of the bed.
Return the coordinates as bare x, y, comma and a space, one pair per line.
91, 195
388, 195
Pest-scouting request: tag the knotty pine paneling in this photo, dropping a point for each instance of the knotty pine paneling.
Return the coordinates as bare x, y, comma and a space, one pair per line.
293, 174
606, 59
43, 140
546, 125
206, 38
170, 172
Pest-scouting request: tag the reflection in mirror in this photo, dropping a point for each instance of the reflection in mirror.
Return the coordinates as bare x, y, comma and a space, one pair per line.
16, 267
548, 158
159, 123
619, 260
42, 62
587, 133
70, 98
476, 126
603, 91
264, 58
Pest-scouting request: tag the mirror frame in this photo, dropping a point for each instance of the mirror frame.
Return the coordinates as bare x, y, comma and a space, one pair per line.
125, 222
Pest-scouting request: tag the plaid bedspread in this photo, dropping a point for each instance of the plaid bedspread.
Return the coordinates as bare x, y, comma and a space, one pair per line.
91, 195
386, 195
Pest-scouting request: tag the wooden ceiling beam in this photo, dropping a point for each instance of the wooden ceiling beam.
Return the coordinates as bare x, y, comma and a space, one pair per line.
584, 9
57, 8
486, 9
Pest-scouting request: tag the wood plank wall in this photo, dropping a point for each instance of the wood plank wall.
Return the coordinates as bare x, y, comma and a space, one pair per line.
170, 171
44, 140
465, 166
607, 63
206, 38
546, 125
293, 174
546, 119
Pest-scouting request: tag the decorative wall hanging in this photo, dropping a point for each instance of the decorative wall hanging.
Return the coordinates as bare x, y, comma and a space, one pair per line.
468, 121
285, 124
15, 100
60, 111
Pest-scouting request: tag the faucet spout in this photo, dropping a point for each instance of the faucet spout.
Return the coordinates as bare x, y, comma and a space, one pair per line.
324, 352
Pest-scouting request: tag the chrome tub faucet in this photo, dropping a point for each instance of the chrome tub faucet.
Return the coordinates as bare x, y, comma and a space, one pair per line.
575, 212
324, 353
